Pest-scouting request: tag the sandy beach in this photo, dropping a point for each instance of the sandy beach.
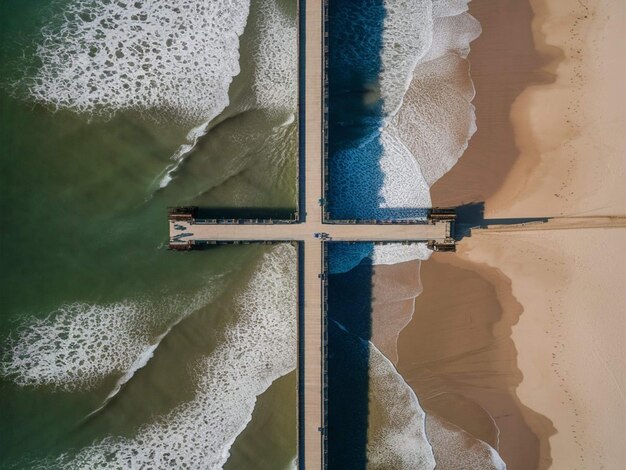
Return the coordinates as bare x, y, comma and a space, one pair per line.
570, 282
458, 356
519, 337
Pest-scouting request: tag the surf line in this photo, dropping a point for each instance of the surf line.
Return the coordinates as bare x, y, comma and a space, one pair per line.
141, 361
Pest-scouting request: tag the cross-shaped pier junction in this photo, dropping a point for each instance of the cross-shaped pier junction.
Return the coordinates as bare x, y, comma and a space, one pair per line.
311, 231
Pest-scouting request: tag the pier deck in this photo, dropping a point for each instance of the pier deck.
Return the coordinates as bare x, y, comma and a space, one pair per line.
185, 232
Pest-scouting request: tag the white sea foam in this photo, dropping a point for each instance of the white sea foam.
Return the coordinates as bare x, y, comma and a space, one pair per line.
407, 36
427, 93
392, 253
176, 57
257, 350
427, 98
276, 59
456, 449
403, 193
404, 190
274, 63
397, 437
348, 255
442, 8
79, 344
437, 118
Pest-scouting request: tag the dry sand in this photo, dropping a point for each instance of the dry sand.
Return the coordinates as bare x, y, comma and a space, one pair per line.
571, 283
571, 134
503, 63
528, 327
570, 337
458, 356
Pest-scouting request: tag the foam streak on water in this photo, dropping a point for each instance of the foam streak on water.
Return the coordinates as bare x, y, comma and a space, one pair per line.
429, 119
397, 439
79, 344
259, 348
176, 57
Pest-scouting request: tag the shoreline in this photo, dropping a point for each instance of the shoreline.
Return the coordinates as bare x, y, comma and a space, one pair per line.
464, 369
503, 63
571, 162
550, 118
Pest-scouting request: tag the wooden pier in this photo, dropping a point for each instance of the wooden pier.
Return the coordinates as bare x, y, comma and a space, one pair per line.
188, 232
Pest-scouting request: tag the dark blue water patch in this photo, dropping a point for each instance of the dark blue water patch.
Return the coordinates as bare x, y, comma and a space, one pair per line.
349, 320
355, 107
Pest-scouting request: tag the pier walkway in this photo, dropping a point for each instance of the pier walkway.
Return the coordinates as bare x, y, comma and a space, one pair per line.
182, 232
186, 232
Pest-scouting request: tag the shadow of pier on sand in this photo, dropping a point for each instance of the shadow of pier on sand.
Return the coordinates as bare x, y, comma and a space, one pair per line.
472, 215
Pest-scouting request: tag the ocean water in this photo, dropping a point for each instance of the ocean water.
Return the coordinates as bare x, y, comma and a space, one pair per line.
374, 418
400, 116
112, 346
111, 111
400, 112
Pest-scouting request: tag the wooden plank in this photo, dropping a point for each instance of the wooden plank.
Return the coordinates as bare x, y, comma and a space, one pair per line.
183, 231
312, 336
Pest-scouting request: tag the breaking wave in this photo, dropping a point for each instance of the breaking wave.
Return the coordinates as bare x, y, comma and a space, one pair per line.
425, 116
351, 254
259, 348
174, 58
398, 438
79, 344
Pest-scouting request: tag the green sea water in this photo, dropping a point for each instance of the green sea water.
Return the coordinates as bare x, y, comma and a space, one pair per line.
83, 224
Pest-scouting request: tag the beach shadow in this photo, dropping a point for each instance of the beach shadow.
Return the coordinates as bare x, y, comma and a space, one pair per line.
355, 108
472, 215
504, 62
470, 378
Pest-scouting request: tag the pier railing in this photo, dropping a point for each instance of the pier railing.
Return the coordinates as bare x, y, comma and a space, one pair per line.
193, 214
324, 286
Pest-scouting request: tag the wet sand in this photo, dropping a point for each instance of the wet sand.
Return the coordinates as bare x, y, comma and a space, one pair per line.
570, 283
458, 356
532, 332
394, 289
503, 62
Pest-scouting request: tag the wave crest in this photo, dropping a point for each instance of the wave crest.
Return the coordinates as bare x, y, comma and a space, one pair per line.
257, 350
79, 344
397, 438
175, 58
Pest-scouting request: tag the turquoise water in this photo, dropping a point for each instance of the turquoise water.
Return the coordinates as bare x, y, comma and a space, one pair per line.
84, 234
